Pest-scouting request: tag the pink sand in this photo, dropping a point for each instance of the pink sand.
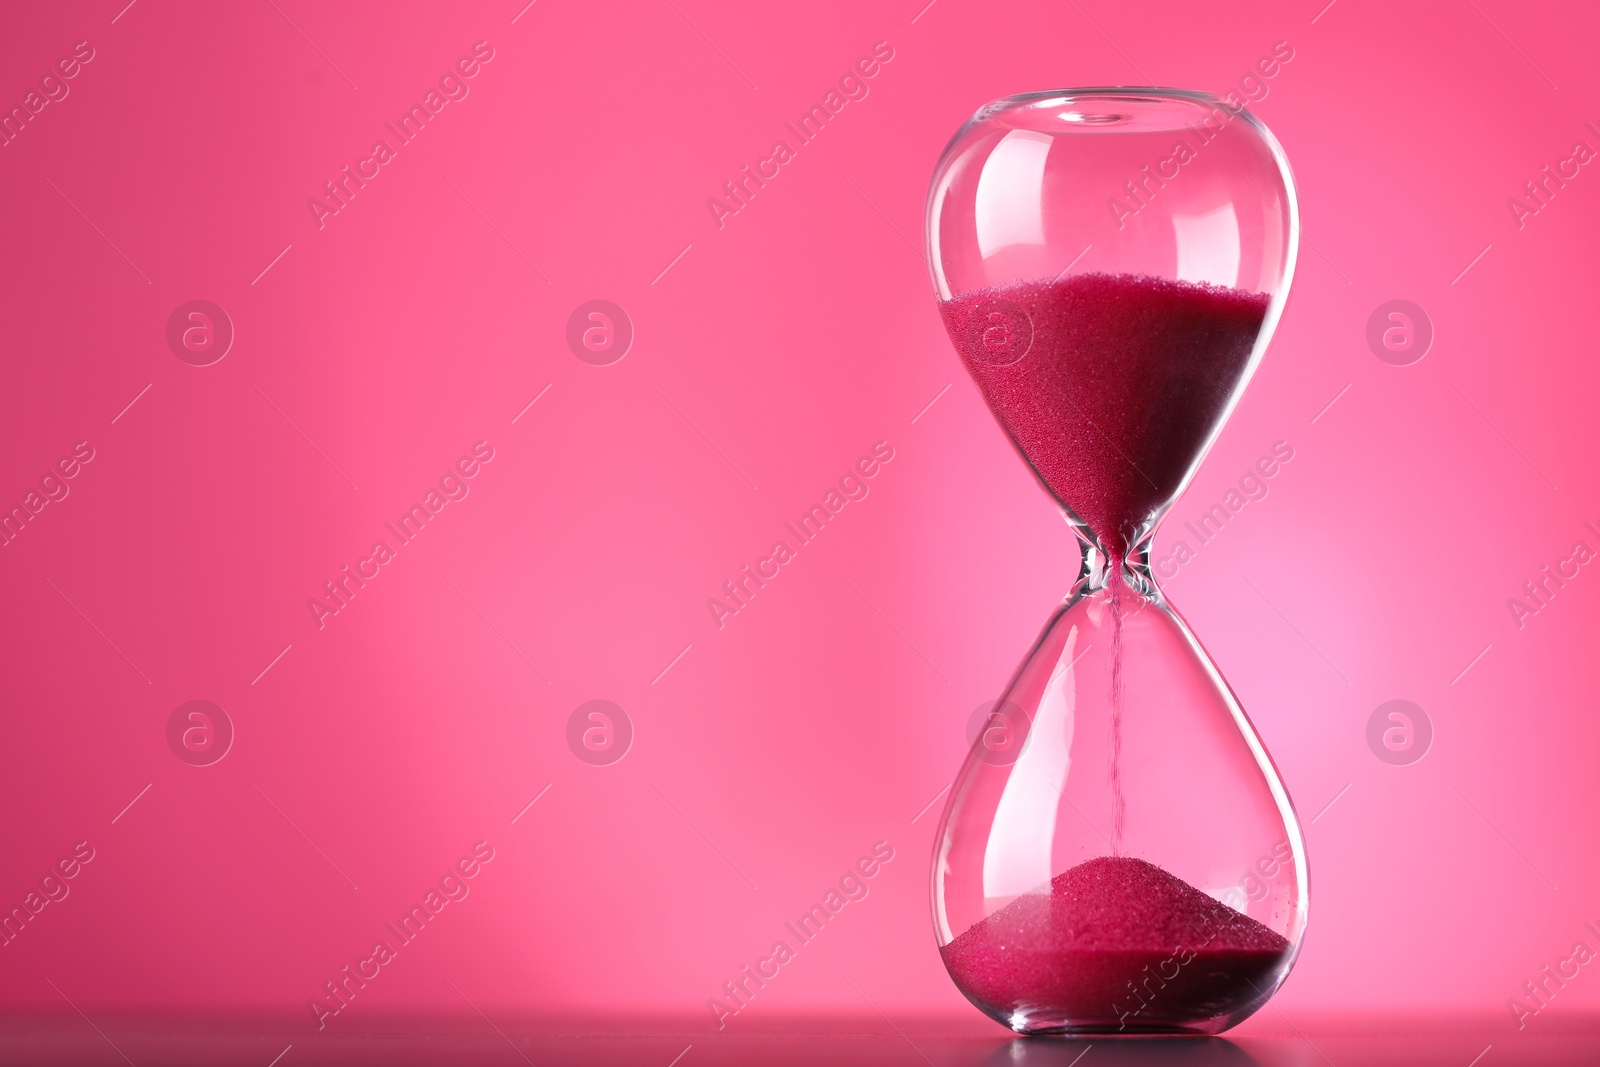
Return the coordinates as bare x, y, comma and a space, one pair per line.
1117, 943
1125, 378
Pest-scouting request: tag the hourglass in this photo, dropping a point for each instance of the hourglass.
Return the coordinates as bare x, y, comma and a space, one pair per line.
1117, 854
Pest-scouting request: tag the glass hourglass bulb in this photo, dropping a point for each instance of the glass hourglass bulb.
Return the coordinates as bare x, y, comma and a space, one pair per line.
1117, 854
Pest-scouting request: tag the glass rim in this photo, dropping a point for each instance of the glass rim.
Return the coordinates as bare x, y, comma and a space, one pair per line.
1198, 96
1158, 100
1153, 94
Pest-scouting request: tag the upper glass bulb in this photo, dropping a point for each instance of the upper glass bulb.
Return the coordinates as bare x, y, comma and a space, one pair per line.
1110, 264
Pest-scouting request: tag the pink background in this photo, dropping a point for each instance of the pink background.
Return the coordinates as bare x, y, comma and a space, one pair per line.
772, 353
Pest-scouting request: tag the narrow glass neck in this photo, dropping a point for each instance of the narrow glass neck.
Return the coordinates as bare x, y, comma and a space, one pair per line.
1099, 570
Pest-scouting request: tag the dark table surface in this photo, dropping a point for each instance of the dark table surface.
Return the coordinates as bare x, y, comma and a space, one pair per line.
954, 1041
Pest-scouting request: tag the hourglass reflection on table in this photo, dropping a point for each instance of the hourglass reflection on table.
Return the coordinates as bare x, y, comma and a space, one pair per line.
1117, 854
